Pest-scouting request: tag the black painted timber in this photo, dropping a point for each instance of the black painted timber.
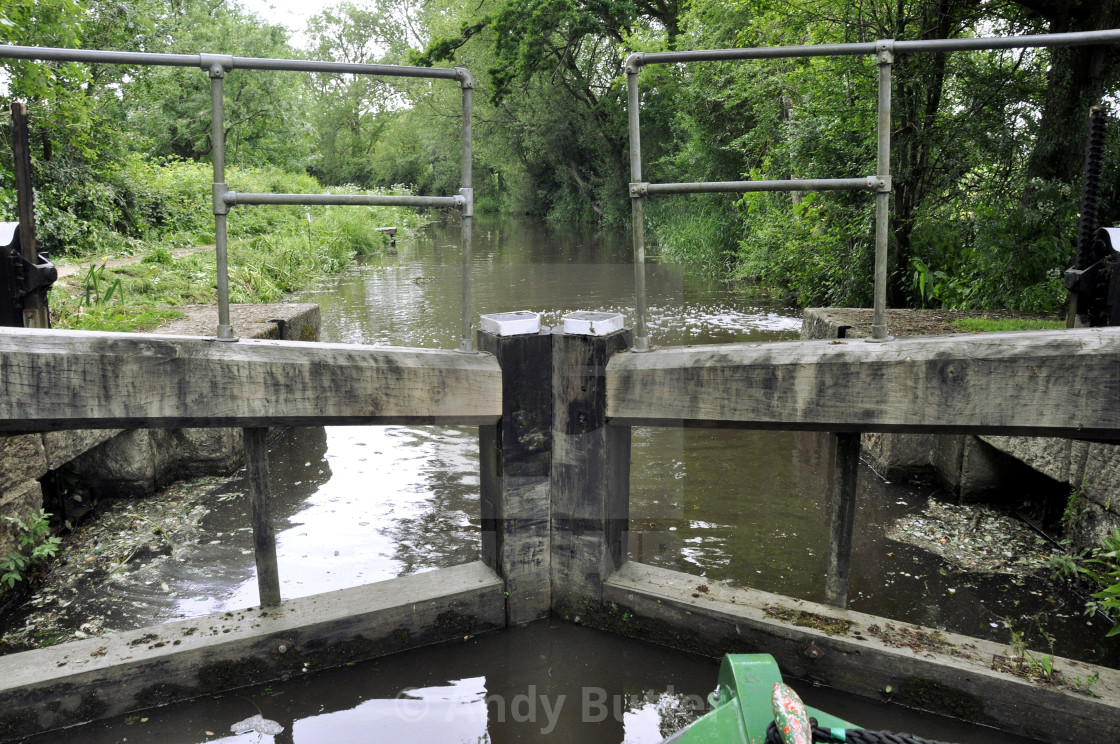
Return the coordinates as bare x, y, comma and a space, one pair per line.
590, 470
516, 458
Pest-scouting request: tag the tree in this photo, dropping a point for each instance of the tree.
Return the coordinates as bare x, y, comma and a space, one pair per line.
553, 75
963, 125
1078, 78
349, 112
265, 111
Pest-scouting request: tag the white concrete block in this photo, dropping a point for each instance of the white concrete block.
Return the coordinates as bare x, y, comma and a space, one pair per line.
516, 323
584, 323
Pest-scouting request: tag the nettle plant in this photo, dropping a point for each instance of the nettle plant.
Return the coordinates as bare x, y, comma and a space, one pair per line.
1100, 567
35, 545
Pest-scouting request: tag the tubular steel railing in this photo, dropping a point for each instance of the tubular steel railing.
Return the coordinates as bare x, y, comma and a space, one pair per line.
880, 183
217, 66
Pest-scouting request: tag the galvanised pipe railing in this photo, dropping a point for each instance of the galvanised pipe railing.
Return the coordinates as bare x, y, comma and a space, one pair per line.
217, 66
884, 51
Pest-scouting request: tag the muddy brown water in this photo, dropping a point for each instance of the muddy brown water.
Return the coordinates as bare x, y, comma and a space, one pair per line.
354, 505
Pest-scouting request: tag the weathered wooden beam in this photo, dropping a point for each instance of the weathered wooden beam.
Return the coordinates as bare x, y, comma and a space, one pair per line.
1050, 383
264, 533
843, 454
515, 461
132, 670
859, 653
590, 471
75, 379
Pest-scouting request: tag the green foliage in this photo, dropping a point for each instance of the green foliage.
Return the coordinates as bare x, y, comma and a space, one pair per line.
158, 255
352, 110
273, 251
817, 251
97, 290
1030, 664
700, 230
1101, 568
35, 545
551, 132
44, 23
984, 203
1074, 509
970, 227
169, 108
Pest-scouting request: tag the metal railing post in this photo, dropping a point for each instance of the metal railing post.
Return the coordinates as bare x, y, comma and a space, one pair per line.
885, 56
217, 67
637, 196
466, 211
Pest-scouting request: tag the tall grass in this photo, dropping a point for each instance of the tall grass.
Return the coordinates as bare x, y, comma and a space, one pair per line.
701, 229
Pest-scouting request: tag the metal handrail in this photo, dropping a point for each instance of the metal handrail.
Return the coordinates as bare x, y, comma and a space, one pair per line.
217, 66
879, 184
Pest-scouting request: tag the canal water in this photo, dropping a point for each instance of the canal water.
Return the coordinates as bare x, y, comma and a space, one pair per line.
354, 505
545, 682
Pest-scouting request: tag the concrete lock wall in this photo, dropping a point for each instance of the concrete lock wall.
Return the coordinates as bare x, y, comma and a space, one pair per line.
976, 467
117, 462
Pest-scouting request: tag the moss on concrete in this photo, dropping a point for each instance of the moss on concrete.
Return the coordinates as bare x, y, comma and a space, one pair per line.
824, 623
624, 621
931, 695
228, 675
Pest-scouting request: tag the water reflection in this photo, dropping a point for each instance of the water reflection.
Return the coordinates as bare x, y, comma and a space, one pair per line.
542, 682
370, 504
455, 712
731, 505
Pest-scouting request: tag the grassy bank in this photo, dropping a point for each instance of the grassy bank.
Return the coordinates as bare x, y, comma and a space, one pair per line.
273, 251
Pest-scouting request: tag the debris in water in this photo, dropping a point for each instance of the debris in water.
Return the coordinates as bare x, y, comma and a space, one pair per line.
119, 553
257, 724
973, 538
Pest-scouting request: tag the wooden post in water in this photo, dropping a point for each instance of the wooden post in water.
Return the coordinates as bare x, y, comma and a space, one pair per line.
590, 472
516, 454
260, 495
843, 457
34, 309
